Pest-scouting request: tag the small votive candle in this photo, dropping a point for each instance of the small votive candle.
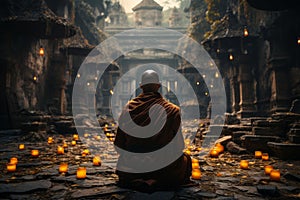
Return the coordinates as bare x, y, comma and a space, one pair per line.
258, 154
86, 151
50, 140
188, 152
11, 167
96, 161
81, 173
63, 167
73, 142
21, 146
214, 153
275, 175
268, 169
35, 153
196, 174
14, 160
244, 164
65, 145
75, 137
60, 150
219, 147
86, 135
195, 164
265, 156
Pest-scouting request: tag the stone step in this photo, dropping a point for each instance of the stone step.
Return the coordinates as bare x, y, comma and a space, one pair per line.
285, 151
258, 143
269, 131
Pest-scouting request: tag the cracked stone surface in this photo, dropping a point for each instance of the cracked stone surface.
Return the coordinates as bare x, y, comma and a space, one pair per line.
222, 178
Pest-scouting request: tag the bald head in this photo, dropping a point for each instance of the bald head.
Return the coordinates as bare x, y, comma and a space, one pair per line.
150, 81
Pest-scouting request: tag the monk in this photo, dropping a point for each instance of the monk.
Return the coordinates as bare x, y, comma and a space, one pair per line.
171, 176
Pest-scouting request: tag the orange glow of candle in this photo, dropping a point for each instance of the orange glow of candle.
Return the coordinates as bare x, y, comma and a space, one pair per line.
35, 153
231, 57
50, 140
60, 150
219, 147
81, 173
97, 161
75, 137
14, 160
246, 33
265, 156
63, 168
21, 146
195, 165
244, 164
86, 151
258, 154
42, 51
188, 152
73, 143
11, 167
65, 145
214, 153
268, 169
196, 174
86, 135
275, 175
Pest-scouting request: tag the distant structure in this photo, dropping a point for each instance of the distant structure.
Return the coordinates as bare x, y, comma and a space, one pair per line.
148, 13
175, 18
117, 15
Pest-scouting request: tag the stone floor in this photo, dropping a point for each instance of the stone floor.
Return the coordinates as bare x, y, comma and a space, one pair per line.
222, 178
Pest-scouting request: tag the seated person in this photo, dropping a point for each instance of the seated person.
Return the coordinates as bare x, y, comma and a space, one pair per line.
172, 175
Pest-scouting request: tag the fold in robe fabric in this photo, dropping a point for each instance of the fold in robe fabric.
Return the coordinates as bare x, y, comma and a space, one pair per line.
175, 173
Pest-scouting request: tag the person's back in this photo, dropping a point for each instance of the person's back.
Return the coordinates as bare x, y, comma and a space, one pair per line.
170, 176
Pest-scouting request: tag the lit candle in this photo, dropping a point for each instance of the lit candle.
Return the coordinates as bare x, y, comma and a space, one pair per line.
86, 135
86, 151
50, 140
231, 57
75, 137
60, 150
246, 33
195, 164
214, 153
73, 143
21, 146
96, 161
244, 164
219, 147
265, 156
42, 51
81, 173
258, 154
196, 174
268, 169
11, 167
14, 160
188, 152
275, 175
65, 145
35, 153
63, 167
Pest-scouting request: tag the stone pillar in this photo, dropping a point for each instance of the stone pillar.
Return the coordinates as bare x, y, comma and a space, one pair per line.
245, 80
107, 84
280, 87
234, 87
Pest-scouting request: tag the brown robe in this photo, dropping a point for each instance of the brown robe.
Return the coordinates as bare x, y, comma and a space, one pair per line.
174, 174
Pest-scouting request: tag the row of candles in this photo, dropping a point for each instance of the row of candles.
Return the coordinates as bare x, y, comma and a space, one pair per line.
63, 167
244, 164
268, 169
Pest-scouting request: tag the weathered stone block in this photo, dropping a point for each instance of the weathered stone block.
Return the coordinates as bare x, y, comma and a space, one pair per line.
285, 151
255, 142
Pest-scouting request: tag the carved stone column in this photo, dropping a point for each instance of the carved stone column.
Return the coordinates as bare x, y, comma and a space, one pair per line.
245, 80
280, 87
235, 93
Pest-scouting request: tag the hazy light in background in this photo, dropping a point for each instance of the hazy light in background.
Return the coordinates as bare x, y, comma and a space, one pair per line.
129, 4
